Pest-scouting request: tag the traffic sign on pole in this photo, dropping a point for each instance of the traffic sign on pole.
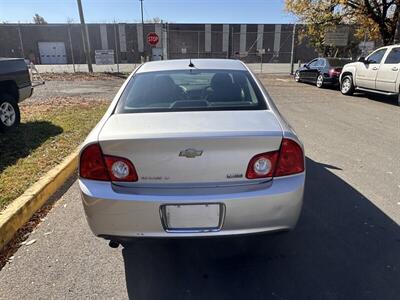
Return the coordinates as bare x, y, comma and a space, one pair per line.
152, 39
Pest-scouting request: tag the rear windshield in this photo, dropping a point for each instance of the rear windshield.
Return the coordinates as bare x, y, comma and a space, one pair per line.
335, 62
191, 90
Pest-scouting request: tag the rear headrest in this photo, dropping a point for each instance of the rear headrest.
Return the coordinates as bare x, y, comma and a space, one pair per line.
164, 81
221, 81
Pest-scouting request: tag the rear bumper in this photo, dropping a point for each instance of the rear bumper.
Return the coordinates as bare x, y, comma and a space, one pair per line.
331, 80
25, 93
271, 206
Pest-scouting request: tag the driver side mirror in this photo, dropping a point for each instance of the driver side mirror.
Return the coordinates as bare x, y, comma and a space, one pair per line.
305, 66
363, 60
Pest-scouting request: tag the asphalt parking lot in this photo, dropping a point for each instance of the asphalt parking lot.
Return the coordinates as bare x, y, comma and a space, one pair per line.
346, 245
103, 89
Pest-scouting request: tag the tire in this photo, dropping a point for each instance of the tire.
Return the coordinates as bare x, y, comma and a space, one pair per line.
320, 81
346, 85
297, 76
398, 99
9, 112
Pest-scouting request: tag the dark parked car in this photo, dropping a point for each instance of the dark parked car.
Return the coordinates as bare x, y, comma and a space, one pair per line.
15, 86
321, 71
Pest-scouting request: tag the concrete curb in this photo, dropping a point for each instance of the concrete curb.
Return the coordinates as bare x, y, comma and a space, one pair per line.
21, 209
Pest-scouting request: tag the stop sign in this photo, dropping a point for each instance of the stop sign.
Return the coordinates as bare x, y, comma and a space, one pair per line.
152, 38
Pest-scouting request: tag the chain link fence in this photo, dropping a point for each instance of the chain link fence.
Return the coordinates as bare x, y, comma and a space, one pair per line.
59, 47
195, 44
261, 51
268, 48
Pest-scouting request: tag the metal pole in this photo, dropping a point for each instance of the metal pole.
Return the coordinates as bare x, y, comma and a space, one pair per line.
85, 37
20, 40
165, 41
363, 53
198, 44
116, 46
141, 8
70, 46
261, 62
162, 39
232, 44
292, 53
227, 52
168, 43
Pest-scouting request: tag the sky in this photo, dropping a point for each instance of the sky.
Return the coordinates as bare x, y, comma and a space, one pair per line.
177, 11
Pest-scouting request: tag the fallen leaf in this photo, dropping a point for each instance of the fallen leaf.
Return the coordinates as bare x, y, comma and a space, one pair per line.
30, 242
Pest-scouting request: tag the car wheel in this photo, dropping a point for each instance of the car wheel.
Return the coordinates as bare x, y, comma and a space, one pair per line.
9, 112
297, 76
346, 85
320, 81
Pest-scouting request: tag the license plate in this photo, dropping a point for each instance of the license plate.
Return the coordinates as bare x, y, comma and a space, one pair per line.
192, 216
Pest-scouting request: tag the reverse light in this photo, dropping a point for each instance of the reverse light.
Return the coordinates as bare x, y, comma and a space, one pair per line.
262, 165
120, 169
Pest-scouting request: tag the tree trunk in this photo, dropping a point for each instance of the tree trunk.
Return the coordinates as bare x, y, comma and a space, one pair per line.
386, 38
387, 32
397, 33
396, 22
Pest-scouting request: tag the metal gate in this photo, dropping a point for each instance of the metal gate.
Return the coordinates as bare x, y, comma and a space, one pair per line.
52, 53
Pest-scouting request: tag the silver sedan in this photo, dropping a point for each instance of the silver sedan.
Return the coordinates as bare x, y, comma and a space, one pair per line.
191, 148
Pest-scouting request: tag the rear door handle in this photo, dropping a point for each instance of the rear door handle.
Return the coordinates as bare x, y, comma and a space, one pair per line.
375, 68
395, 69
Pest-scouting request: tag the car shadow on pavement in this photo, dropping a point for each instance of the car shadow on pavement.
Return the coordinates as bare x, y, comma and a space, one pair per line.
391, 100
343, 248
21, 141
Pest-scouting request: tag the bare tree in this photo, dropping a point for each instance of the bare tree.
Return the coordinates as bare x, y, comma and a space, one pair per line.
153, 20
37, 19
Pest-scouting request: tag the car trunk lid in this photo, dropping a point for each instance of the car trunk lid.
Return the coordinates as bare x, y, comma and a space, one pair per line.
198, 148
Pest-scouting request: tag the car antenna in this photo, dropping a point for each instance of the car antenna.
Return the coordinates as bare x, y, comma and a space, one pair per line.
191, 65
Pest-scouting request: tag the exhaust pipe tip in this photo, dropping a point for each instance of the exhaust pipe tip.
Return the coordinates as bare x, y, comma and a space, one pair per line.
113, 244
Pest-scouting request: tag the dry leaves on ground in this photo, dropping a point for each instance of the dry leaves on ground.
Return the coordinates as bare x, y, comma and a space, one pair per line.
81, 76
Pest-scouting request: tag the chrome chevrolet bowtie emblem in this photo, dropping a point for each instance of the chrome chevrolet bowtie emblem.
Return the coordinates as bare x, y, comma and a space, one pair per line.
190, 153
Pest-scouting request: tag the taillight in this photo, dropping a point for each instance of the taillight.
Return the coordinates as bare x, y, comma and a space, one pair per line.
262, 165
287, 161
96, 166
291, 159
92, 165
335, 72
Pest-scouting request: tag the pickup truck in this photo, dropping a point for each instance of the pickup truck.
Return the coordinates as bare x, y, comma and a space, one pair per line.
379, 73
15, 86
